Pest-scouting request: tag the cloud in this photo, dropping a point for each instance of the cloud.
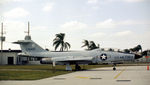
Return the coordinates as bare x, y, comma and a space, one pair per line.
7, 1
40, 28
48, 7
108, 1
94, 4
14, 31
129, 1
16, 13
92, 1
109, 23
14, 25
123, 33
99, 34
128, 39
73, 26
108, 36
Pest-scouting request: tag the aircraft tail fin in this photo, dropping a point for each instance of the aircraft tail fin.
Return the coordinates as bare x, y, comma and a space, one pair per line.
28, 46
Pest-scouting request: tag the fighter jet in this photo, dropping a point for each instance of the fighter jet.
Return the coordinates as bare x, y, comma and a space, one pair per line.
31, 49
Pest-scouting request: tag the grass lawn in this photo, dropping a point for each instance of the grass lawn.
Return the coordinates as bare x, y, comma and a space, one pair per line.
34, 72
30, 72
28, 75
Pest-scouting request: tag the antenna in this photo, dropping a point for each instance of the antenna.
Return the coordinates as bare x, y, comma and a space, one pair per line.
2, 39
28, 37
28, 32
2, 29
28, 28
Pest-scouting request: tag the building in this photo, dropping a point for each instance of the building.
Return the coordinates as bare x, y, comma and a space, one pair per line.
10, 57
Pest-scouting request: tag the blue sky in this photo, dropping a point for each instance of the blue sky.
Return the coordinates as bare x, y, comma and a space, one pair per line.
111, 23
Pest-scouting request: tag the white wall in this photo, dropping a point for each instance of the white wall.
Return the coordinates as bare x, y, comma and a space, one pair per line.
6, 55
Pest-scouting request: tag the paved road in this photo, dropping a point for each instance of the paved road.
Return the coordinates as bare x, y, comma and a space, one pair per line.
127, 75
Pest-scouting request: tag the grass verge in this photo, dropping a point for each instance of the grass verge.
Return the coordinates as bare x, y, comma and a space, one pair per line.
28, 75
35, 72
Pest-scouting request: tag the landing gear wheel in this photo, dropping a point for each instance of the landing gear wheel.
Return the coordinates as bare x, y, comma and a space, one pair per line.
114, 68
77, 67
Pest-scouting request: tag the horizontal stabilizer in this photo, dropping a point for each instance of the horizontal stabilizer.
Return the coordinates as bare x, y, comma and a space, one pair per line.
28, 46
22, 42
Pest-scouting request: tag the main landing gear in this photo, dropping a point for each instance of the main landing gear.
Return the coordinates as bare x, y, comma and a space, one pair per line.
77, 67
114, 67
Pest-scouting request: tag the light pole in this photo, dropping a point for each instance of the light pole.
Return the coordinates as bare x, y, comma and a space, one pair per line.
2, 38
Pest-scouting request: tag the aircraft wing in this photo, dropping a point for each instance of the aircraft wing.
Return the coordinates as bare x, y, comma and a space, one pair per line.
72, 59
23, 54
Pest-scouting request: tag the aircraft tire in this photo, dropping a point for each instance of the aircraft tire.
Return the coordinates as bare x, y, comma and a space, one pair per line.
114, 68
77, 68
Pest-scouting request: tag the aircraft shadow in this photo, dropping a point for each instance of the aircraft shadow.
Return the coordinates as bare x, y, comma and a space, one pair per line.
102, 70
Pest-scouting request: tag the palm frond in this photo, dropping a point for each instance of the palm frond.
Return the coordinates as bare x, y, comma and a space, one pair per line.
68, 44
60, 36
56, 39
56, 42
86, 43
57, 45
65, 47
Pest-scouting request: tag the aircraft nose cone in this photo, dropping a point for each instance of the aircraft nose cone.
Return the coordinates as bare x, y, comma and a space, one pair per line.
137, 56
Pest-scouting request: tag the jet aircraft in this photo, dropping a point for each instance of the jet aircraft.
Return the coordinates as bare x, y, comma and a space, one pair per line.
31, 49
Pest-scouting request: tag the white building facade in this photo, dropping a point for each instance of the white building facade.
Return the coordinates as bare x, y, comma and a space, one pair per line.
9, 57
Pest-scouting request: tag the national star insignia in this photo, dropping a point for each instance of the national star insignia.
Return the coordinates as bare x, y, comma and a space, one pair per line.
103, 56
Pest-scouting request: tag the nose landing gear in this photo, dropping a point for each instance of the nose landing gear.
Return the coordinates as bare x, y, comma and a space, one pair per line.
114, 66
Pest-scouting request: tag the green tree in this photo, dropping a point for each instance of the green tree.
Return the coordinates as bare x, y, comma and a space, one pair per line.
59, 41
86, 44
126, 50
90, 45
144, 53
139, 47
136, 48
110, 49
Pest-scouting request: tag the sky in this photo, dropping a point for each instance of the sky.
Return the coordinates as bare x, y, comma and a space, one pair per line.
117, 24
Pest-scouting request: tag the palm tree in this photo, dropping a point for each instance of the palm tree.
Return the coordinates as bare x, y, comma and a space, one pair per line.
93, 45
110, 49
144, 53
90, 45
126, 50
139, 47
67, 46
136, 48
86, 43
59, 41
